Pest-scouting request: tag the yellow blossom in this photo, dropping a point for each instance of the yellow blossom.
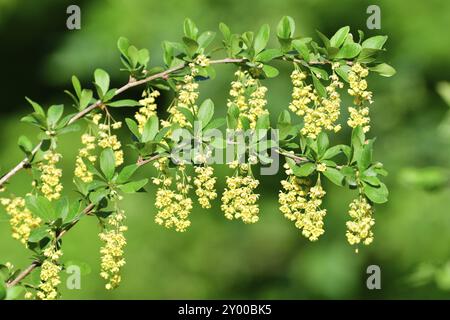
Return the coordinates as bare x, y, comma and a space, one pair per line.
148, 109
239, 201
359, 228
205, 185
21, 219
51, 176
318, 113
359, 116
49, 275
81, 170
112, 251
249, 96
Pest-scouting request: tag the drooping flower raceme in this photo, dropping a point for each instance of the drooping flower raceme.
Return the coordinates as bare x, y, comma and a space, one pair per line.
172, 200
359, 228
204, 182
51, 186
239, 200
187, 94
84, 154
359, 115
21, 219
148, 109
249, 96
49, 275
302, 204
112, 250
318, 113
107, 139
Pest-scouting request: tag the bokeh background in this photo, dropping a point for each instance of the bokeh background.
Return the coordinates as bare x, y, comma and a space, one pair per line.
217, 258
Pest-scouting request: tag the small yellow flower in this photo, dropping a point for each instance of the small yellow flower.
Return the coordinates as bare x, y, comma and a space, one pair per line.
359, 228
112, 251
21, 219
51, 176
239, 201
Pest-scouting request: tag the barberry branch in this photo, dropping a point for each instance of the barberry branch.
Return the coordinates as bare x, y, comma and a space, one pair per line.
132, 83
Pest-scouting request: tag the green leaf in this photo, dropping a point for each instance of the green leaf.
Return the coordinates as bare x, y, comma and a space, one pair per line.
284, 117
54, 113
343, 71
85, 99
373, 181
218, 143
322, 143
98, 195
300, 170
143, 57
68, 129
263, 122
13, 293
270, 71
376, 194
214, 124
205, 112
301, 46
320, 73
38, 234
268, 55
286, 28
132, 125
150, 129
333, 151
101, 78
206, 38
366, 155
76, 86
190, 29
368, 55
37, 108
324, 39
25, 144
225, 31
107, 163
191, 46
334, 176
134, 186
41, 207
375, 42
339, 37
126, 173
123, 44
384, 70
348, 51
262, 38
124, 103
319, 86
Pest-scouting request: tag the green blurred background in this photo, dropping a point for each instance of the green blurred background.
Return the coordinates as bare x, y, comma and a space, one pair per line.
217, 258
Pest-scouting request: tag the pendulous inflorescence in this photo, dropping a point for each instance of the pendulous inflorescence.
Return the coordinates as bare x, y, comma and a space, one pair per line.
183, 145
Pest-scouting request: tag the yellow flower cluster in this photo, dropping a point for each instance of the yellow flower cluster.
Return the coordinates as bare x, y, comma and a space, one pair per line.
51, 175
112, 250
205, 185
359, 228
50, 269
174, 206
187, 94
359, 116
301, 204
323, 112
21, 219
239, 198
109, 140
148, 109
81, 170
249, 96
